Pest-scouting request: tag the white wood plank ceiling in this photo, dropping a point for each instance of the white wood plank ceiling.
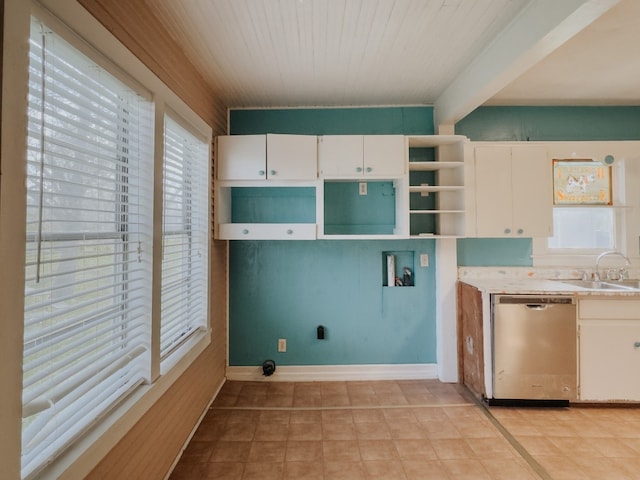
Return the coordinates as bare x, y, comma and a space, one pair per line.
455, 54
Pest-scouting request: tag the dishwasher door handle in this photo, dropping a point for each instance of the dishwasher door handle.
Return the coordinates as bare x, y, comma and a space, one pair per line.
537, 306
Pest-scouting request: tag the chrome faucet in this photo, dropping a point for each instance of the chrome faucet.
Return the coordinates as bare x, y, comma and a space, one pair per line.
621, 272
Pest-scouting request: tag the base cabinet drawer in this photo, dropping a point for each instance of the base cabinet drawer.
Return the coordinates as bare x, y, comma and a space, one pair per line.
267, 231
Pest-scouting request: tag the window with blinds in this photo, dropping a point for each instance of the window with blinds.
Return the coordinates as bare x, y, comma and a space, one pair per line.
185, 227
88, 256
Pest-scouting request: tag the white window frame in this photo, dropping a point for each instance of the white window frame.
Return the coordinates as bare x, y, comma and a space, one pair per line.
197, 225
87, 316
88, 35
625, 169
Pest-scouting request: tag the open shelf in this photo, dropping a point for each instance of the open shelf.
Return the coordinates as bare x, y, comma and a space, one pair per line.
434, 188
436, 185
433, 166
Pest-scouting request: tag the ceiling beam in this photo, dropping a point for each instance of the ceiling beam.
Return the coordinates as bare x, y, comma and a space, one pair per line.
541, 27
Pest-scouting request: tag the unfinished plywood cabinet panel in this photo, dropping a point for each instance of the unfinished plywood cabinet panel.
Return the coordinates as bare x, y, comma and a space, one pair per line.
470, 339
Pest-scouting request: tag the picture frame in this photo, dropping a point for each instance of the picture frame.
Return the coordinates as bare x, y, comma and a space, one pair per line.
581, 182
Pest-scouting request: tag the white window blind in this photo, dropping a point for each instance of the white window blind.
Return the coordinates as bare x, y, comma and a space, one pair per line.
87, 292
185, 235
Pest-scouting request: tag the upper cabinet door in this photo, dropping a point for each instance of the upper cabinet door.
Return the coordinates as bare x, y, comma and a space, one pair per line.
384, 156
340, 156
513, 191
493, 191
242, 157
532, 180
361, 156
292, 157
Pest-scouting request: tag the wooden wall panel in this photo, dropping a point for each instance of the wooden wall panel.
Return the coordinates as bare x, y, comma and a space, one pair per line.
470, 338
134, 24
149, 449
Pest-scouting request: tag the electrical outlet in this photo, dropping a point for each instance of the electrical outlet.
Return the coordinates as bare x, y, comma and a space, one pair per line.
424, 259
282, 344
362, 188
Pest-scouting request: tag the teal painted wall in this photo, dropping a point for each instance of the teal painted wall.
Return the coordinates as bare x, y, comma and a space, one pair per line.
503, 252
334, 121
523, 124
537, 124
285, 289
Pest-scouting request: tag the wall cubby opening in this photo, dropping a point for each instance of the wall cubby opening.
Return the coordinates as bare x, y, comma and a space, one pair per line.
398, 268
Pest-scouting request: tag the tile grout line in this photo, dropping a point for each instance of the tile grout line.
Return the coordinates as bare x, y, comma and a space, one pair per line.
526, 456
533, 463
346, 407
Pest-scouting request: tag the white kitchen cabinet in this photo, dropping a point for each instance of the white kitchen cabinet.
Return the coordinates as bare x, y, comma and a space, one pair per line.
267, 157
361, 156
242, 157
513, 191
609, 349
265, 210
267, 231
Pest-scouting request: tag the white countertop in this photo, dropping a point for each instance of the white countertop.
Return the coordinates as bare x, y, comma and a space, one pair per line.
537, 286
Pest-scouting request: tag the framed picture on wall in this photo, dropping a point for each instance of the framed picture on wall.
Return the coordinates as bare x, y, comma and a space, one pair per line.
581, 182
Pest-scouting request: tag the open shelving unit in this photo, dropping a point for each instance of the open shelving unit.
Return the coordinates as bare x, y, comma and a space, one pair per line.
436, 185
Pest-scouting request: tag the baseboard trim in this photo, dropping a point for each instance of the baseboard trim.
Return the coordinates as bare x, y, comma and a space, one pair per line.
329, 373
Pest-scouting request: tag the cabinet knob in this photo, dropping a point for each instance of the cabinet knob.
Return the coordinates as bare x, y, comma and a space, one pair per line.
636, 344
369, 169
289, 231
245, 231
261, 172
507, 231
520, 231
272, 172
359, 169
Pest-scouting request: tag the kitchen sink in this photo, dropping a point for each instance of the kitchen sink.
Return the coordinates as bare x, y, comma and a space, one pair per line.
624, 285
633, 283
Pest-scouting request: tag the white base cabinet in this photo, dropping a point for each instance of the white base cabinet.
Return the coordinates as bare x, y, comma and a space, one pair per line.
609, 349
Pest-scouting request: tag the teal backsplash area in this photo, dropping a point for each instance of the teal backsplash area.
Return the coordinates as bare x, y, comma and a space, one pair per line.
285, 289
487, 252
334, 121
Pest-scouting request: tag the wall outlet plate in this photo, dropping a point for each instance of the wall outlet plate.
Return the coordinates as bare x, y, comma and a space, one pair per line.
362, 188
424, 259
282, 345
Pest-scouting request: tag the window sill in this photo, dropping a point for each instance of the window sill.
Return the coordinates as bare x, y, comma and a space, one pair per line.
81, 458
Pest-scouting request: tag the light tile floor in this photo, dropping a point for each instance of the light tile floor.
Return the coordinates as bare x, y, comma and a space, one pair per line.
410, 429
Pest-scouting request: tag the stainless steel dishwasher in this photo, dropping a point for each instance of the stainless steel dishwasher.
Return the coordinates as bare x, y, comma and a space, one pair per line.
534, 347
